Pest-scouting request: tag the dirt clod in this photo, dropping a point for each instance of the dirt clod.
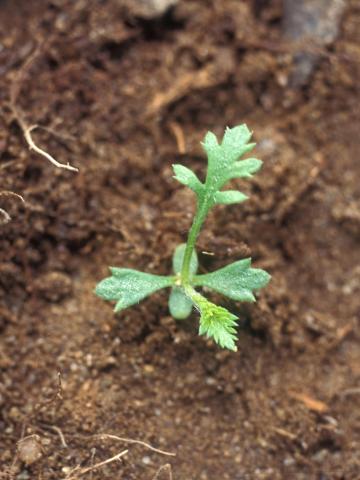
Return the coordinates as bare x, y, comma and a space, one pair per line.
53, 286
30, 449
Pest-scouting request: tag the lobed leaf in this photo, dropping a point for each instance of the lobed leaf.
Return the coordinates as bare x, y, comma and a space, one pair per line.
244, 168
224, 163
236, 281
230, 196
187, 177
129, 286
236, 140
235, 143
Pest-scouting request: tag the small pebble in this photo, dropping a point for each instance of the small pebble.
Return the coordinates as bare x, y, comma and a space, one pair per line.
289, 461
24, 475
30, 449
319, 456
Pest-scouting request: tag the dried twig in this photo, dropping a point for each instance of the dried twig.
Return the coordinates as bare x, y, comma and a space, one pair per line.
104, 436
20, 117
310, 402
349, 392
61, 435
78, 472
181, 87
284, 433
32, 145
93, 453
179, 136
9, 193
164, 468
4, 213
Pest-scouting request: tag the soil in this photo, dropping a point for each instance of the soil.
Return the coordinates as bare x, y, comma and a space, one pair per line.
123, 96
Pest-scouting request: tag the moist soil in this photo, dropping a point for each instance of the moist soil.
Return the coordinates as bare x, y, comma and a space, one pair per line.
123, 96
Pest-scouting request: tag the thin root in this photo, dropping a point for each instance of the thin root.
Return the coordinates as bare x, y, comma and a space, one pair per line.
20, 118
6, 217
78, 472
104, 436
61, 435
9, 193
164, 468
4, 213
32, 146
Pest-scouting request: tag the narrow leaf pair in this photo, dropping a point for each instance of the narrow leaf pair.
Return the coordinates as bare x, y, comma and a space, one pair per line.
237, 281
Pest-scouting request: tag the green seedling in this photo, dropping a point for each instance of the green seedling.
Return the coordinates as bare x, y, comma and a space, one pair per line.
237, 281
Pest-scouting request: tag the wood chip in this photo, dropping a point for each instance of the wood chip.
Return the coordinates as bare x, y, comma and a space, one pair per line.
310, 402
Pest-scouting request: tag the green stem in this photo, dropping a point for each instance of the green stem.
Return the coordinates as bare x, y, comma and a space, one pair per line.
199, 218
195, 296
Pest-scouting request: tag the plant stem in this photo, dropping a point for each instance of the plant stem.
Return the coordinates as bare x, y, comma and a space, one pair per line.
199, 218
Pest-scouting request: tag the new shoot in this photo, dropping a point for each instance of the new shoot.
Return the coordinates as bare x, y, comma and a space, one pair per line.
237, 281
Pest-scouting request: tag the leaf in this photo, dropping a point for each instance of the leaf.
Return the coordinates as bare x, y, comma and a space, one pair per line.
230, 196
217, 323
211, 144
130, 286
187, 177
244, 168
178, 258
236, 138
233, 146
180, 305
223, 159
236, 281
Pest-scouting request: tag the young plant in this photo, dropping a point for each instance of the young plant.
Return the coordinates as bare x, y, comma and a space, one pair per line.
236, 281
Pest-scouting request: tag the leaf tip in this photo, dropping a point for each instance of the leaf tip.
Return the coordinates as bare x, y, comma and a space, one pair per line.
118, 307
267, 278
210, 141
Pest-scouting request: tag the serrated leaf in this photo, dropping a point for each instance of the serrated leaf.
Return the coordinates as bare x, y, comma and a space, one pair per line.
230, 196
187, 177
178, 258
217, 323
180, 305
235, 137
129, 286
236, 281
223, 158
244, 168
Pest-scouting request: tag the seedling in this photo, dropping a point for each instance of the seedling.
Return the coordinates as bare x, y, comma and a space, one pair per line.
237, 281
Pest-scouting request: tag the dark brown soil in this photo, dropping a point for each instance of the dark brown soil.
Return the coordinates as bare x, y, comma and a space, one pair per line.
128, 97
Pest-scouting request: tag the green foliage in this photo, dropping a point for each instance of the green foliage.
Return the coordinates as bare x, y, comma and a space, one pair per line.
178, 259
218, 323
188, 178
129, 286
215, 322
237, 281
180, 305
